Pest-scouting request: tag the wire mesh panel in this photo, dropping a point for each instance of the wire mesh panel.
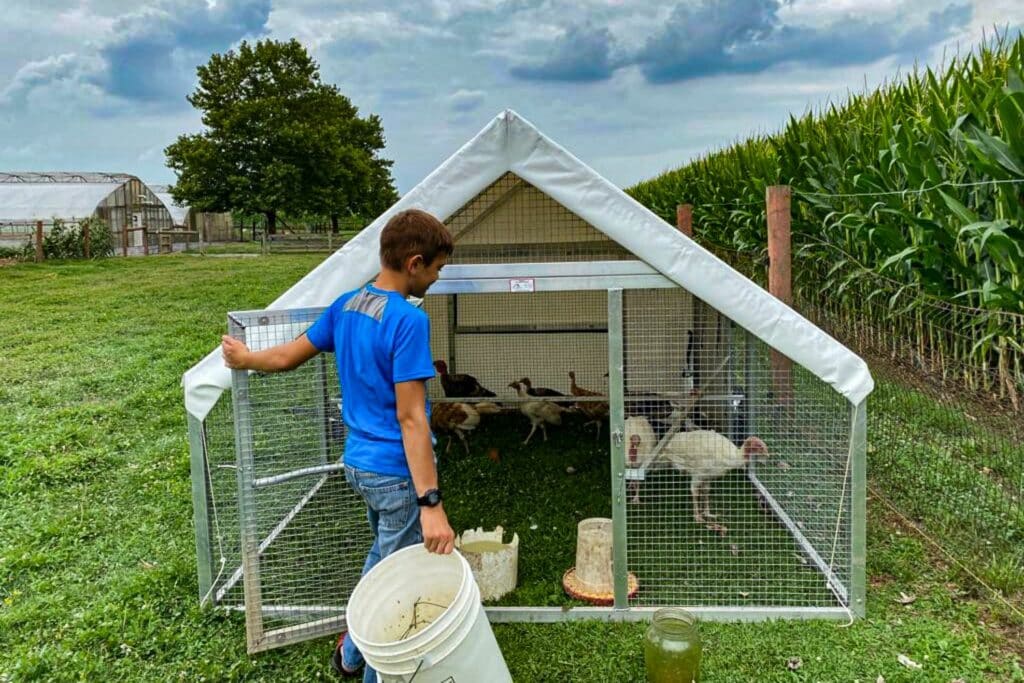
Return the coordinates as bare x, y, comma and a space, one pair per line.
215, 493
741, 474
511, 221
303, 531
501, 338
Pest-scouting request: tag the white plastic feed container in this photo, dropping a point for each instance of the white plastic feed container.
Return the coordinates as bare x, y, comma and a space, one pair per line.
495, 564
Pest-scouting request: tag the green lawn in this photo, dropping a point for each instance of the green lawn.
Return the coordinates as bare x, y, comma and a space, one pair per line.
97, 557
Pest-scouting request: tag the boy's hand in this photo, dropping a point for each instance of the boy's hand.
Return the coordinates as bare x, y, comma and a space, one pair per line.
437, 533
235, 353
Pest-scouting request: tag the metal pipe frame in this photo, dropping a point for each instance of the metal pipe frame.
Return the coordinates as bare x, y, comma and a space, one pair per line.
550, 615
551, 284
249, 546
616, 427
858, 513
200, 509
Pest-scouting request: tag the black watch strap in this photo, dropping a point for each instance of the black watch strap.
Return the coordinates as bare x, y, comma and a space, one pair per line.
431, 498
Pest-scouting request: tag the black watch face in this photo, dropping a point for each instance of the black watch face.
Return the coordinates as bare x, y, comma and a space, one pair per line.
431, 498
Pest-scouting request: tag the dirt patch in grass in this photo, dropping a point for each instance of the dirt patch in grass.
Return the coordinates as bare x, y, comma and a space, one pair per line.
7, 262
880, 581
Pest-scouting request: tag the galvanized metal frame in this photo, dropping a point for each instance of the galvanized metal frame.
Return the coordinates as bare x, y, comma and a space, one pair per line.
858, 512
617, 417
509, 615
200, 512
246, 472
611, 276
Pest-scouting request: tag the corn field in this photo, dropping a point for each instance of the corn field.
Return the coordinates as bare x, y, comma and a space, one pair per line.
919, 186
908, 246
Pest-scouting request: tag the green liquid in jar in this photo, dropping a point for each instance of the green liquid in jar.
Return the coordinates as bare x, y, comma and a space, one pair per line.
483, 547
672, 647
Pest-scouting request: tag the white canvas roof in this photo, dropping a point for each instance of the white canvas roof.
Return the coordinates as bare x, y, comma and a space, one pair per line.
510, 143
24, 202
178, 213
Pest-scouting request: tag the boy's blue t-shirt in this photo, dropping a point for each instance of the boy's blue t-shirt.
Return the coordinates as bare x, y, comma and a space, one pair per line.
378, 339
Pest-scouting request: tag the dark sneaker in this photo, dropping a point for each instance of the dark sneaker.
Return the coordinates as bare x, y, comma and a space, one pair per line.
338, 663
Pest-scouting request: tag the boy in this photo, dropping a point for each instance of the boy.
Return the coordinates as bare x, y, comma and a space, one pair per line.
382, 348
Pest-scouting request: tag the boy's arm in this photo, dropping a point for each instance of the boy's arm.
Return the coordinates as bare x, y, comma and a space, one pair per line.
411, 410
287, 356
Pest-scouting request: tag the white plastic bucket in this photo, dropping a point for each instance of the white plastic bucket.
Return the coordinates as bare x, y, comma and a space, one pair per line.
450, 641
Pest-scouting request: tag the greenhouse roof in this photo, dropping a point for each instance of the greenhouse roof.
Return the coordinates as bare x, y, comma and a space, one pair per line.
42, 201
178, 212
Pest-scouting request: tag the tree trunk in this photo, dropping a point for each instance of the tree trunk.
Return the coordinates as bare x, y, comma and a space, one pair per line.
271, 222
334, 223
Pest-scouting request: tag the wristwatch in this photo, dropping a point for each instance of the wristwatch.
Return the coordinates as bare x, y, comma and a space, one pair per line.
430, 499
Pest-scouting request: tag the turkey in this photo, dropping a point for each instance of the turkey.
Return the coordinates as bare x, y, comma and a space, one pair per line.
460, 385
595, 411
459, 419
706, 455
540, 413
538, 391
640, 443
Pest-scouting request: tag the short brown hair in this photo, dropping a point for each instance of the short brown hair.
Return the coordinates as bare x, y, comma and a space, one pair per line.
413, 232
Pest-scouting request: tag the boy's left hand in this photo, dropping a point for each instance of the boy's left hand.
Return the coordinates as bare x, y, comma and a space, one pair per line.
234, 352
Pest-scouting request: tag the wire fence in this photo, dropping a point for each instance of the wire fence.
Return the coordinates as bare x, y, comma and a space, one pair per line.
946, 439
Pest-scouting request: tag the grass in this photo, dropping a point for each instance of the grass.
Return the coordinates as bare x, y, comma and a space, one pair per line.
97, 557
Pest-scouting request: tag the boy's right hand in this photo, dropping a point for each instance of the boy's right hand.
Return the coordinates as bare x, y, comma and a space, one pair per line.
234, 352
438, 536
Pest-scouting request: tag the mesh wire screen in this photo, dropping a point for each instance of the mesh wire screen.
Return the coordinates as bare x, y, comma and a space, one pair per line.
501, 338
301, 525
513, 222
702, 528
225, 565
946, 435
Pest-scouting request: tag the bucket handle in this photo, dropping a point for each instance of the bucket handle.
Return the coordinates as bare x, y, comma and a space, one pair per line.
426, 661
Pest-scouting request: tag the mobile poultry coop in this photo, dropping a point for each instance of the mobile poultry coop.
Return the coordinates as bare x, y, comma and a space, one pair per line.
555, 270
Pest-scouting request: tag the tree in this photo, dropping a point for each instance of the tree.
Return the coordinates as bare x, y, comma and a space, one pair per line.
278, 140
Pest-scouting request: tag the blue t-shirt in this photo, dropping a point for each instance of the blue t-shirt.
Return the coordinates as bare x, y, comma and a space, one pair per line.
379, 339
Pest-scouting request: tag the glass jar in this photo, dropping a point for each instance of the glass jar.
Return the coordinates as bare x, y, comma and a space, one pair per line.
672, 647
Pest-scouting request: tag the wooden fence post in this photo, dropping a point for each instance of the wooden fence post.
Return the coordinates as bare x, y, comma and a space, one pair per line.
39, 241
707, 338
85, 239
124, 239
780, 284
145, 241
684, 219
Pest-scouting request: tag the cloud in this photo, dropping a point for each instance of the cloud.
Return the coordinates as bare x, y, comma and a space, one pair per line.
68, 73
352, 32
851, 41
150, 54
464, 101
583, 53
716, 37
700, 40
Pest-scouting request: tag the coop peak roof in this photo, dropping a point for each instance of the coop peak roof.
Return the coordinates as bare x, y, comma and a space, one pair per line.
510, 143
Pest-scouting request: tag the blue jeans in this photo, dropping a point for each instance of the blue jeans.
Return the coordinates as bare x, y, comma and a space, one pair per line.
394, 519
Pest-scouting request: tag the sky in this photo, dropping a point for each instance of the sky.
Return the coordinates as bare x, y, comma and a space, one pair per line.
632, 88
